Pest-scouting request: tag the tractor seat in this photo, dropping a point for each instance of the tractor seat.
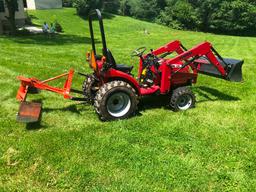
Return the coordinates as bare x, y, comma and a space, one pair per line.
123, 68
119, 67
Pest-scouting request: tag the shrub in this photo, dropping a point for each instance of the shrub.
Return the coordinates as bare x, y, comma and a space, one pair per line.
84, 7
58, 27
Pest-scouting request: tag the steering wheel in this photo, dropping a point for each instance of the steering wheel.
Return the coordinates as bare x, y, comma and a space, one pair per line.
138, 52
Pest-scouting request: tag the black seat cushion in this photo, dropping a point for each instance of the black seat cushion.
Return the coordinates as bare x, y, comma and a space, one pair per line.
119, 67
124, 68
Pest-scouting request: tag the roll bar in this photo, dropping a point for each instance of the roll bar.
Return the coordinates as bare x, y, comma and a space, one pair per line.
103, 38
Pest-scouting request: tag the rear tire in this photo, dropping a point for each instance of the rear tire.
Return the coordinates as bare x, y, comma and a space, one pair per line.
182, 99
88, 88
115, 100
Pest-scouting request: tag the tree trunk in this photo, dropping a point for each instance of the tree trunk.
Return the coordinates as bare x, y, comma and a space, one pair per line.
11, 6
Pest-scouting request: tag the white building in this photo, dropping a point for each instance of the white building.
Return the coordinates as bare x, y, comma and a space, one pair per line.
20, 15
44, 4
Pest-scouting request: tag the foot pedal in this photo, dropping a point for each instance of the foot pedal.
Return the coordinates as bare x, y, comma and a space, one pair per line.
29, 112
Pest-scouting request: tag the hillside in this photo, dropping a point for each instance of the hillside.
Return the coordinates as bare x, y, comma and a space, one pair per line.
209, 148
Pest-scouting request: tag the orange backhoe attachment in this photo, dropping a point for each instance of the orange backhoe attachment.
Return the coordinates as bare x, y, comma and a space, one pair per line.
30, 111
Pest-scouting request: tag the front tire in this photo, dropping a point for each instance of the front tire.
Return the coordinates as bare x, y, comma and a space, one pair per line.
182, 99
116, 100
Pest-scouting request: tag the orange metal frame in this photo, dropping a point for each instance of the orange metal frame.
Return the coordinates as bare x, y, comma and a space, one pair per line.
42, 85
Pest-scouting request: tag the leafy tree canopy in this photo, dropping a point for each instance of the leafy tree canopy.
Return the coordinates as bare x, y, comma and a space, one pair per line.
225, 16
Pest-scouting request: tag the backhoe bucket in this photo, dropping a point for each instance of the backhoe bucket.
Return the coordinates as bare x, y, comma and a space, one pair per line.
233, 68
29, 112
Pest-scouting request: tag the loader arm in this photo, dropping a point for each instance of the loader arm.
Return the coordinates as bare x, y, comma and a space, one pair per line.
174, 46
205, 59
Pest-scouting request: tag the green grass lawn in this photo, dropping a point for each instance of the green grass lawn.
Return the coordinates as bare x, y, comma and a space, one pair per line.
209, 148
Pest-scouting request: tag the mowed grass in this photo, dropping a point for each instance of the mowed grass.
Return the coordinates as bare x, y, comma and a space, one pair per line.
208, 148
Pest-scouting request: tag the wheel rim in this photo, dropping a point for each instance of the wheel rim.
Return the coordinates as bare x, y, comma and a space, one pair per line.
118, 104
184, 102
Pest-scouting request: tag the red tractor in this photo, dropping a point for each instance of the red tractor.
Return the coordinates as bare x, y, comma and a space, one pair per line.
115, 92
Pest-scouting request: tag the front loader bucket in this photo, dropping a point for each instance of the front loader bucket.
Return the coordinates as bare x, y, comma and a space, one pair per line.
233, 68
235, 72
29, 112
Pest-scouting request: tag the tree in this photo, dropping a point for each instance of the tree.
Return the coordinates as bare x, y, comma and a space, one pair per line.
125, 7
221, 16
161, 4
234, 17
179, 14
205, 9
111, 6
12, 6
84, 7
144, 9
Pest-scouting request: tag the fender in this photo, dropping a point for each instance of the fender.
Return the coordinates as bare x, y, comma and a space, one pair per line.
119, 75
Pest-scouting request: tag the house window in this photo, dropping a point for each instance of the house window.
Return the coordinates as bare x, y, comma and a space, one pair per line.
2, 6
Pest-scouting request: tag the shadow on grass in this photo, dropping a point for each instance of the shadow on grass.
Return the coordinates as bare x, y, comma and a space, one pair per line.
35, 126
153, 102
47, 39
105, 16
72, 108
208, 93
33, 17
233, 33
147, 102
